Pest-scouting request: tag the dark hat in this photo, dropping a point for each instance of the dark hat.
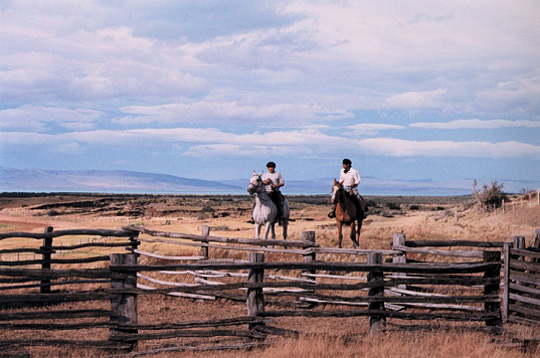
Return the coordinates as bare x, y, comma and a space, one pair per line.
270, 165
347, 161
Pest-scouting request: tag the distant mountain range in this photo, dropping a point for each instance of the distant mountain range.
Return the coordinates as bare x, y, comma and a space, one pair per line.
104, 181
119, 181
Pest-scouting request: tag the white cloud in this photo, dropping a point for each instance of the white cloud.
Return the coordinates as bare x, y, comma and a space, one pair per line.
236, 112
521, 94
36, 118
407, 148
69, 148
373, 128
228, 150
303, 142
477, 124
416, 100
81, 64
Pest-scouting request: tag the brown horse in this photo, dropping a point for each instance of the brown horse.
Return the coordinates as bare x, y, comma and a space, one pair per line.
346, 213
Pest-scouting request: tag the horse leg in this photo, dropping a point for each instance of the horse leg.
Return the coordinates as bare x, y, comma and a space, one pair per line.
266, 230
339, 227
285, 225
257, 231
353, 234
273, 230
358, 232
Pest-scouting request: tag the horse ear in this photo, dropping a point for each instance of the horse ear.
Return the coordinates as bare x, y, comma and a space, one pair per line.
261, 173
335, 181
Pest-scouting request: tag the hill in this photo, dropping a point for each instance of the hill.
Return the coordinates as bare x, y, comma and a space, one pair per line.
119, 181
105, 181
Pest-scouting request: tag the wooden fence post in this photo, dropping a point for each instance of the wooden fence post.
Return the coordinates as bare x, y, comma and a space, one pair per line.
376, 322
124, 305
519, 242
309, 258
493, 289
536, 243
399, 240
255, 297
46, 257
506, 278
134, 242
204, 245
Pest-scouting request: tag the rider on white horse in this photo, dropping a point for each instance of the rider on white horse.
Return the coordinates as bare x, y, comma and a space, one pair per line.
273, 181
264, 209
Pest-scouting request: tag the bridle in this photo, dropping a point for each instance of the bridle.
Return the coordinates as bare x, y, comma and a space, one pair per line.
255, 187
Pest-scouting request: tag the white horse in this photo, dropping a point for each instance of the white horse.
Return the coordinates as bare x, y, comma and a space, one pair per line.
265, 211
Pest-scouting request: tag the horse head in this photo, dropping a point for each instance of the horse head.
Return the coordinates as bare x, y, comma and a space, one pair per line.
255, 183
336, 188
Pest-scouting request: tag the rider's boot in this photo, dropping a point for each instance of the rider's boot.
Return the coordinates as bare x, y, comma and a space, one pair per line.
332, 214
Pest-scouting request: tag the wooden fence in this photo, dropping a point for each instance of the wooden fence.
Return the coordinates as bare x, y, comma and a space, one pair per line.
299, 279
521, 296
521, 269
41, 274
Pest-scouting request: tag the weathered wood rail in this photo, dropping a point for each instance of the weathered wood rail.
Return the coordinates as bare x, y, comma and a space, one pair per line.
378, 284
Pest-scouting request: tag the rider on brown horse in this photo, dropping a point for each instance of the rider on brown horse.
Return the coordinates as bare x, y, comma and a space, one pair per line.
349, 179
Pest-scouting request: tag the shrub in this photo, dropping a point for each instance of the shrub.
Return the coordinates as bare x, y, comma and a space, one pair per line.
393, 206
492, 196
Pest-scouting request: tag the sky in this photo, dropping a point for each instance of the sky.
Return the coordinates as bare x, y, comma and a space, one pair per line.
442, 90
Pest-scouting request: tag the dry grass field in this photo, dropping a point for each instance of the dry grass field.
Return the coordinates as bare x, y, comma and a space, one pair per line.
416, 217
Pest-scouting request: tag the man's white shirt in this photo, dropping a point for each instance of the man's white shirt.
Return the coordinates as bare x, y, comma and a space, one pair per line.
275, 178
351, 178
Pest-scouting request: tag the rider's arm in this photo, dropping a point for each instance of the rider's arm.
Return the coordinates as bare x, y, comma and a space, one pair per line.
280, 182
356, 179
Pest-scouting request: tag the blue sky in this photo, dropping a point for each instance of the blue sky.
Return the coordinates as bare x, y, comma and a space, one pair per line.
215, 89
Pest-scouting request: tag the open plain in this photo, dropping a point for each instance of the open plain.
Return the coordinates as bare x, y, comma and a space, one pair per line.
417, 217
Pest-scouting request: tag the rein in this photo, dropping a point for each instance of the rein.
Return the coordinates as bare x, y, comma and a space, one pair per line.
259, 184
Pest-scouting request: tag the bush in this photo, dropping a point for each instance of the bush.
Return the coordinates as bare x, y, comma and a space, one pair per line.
492, 196
414, 207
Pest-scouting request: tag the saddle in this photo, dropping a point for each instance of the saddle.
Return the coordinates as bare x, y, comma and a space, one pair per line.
360, 205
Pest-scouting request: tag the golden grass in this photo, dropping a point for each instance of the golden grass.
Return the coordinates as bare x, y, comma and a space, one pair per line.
433, 345
395, 345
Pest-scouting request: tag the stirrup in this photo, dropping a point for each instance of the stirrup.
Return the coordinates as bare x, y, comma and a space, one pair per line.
331, 214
